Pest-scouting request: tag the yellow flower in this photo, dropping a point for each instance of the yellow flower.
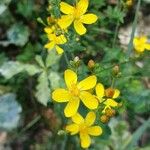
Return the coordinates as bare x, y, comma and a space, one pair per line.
84, 128
107, 96
129, 3
141, 43
76, 15
76, 92
55, 41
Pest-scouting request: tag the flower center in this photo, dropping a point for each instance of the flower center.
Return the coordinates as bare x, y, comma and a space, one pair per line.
83, 128
74, 90
77, 14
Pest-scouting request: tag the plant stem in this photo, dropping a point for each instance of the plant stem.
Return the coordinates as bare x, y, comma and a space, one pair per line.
66, 58
130, 45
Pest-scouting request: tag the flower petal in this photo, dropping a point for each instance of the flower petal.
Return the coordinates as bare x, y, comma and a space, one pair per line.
59, 50
100, 91
95, 130
87, 83
70, 77
85, 140
49, 45
73, 128
82, 6
111, 102
48, 30
88, 18
66, 8
61, 95
79, 27
147, 46
72, 107
61, 39
90, 118
89, 100
77, 118
116, 93
65, 21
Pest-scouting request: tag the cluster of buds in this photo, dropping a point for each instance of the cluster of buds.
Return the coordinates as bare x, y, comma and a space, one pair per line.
109, 113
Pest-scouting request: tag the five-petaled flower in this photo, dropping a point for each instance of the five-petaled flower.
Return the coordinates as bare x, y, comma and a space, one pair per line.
55, 35
141, 43
55, 41
76, 92
76, 15
107, 96
84, 128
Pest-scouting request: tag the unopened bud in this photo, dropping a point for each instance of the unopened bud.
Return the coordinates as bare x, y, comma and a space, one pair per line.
110, 112
104, 119
91, 64
115, 70
61, 132
109, 92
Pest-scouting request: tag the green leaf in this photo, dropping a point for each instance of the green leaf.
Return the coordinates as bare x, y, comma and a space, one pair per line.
11, 68
42, 89
54, 80
39, 60
9, 111
25, 8
3, 5
136, 135
52, 58
18, 34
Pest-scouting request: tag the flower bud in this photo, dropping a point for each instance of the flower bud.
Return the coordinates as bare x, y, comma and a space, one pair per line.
110, 112
91, 64
115, 70
104, 119
109, 92
61, 132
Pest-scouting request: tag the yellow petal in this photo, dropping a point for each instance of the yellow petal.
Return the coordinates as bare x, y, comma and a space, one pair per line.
111, 102
88, 100
95, 130
88, 18
100, 91
59, 50
85, 140
79, 27
72, 107
73, 128
65, 21
90, 118
70, 78
61, 95
51, 37
87, 83
116, 93
48, 30
61, 39
49, 45
82, 6
147, 46
143, 39
77, 118
139, 43
66, 8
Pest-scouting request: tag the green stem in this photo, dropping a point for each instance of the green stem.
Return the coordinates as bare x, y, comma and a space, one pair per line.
130, 45
66, 58
116, 33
